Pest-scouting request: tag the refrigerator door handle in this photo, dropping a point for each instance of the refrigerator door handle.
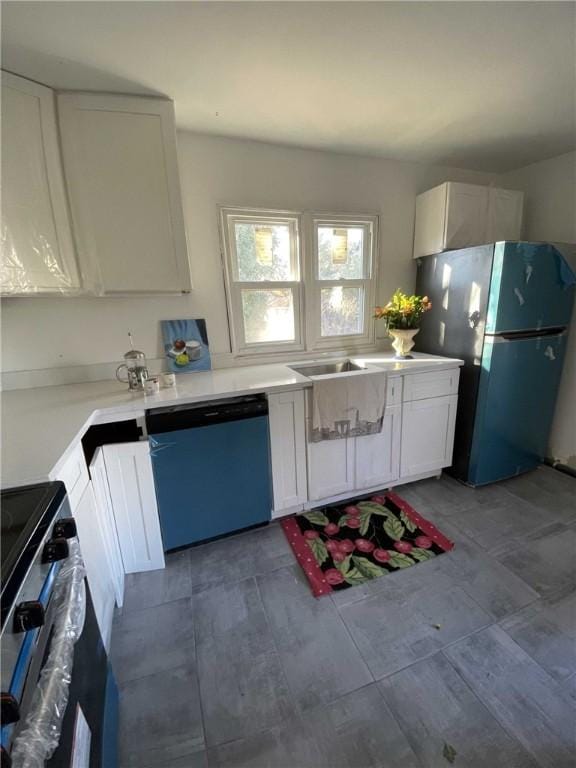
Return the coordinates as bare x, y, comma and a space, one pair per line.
534, 334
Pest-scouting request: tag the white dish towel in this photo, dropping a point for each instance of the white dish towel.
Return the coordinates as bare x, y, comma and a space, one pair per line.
348, 406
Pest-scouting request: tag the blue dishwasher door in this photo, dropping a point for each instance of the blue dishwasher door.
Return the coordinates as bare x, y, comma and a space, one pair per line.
211, 480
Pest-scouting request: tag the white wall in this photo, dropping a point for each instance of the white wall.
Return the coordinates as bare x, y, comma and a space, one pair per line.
41, 333
550, 214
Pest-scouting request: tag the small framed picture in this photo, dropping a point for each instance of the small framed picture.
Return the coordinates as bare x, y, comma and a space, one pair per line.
186, 345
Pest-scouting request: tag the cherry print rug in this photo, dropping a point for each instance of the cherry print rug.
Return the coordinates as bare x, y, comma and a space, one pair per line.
346, 544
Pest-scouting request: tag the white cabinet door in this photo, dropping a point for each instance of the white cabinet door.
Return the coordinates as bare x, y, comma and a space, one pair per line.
466, 215
37, 248
122, 174
288, 449
93, 547
427, 435
504, 215
107, 524
131, 484
330, 468
378, 456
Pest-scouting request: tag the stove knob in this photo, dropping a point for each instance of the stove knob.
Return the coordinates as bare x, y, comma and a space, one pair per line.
65, 528
5, 759
55, 549
28, 615
10, 709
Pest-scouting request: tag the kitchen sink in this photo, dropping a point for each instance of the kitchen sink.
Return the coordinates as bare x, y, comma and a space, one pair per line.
324, 369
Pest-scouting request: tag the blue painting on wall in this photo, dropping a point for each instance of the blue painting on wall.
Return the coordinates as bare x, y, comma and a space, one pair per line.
186, 345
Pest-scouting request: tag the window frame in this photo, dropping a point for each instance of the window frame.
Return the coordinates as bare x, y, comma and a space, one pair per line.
305, 290
229, 216
369, 223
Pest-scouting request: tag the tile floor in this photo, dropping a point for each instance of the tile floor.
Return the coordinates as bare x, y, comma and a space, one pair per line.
225, 660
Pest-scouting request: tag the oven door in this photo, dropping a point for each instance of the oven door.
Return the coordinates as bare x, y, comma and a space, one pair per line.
88, 738
71, 676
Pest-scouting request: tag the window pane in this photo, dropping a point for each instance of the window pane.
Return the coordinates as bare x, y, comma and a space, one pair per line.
268, 315
342, 310
263, 252
340, 253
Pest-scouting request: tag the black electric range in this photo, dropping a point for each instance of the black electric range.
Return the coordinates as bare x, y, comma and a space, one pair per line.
27, 514
44, 599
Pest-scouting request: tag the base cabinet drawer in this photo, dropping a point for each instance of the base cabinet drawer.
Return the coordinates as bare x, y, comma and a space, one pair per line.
422, 386
427, 435
74, 474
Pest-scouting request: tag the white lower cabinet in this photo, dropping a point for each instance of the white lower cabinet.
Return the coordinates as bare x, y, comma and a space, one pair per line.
416, 441
377, 457
107, 524
427, 434
133, 498
288, 450
93, 546
331, 469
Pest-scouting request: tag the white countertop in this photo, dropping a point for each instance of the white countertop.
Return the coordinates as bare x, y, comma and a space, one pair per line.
41, 426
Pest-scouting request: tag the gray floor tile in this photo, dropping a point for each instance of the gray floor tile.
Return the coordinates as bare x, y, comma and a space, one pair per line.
547, 631
446, 496
195, 760
358, 731
435, 707
499, 526
398, 585
150, 588
160, 719
290, 745
499, 591
550, 491
524, 698
240, 557
242, 683
392, 635
153, 639
546, 563
318, 655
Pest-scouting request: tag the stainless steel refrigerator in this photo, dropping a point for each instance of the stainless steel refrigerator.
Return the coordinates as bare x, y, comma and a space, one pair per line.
504, 309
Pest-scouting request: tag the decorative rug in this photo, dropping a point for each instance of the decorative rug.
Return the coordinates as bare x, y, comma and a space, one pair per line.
342, 545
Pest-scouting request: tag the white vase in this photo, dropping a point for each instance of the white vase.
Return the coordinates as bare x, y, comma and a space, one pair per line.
403, 342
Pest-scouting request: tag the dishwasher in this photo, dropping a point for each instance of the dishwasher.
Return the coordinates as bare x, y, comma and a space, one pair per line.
211, 465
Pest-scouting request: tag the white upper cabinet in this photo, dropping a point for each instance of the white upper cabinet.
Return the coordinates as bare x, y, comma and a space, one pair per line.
504, 214
455, 215
121, 170
37, 249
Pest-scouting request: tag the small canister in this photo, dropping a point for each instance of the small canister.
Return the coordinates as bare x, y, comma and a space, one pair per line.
168, 379
152, 386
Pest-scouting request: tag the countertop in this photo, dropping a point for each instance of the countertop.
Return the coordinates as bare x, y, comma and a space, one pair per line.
41, 426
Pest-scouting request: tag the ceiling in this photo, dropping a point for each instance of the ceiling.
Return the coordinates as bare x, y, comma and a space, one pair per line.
483, 85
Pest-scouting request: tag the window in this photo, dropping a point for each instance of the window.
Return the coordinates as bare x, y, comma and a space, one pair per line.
270, 277
342, 281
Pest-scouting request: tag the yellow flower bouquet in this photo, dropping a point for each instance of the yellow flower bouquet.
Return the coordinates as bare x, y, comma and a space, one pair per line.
403, 312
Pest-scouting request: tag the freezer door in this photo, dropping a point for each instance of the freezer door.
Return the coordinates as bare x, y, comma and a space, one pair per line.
518, 387
532, 287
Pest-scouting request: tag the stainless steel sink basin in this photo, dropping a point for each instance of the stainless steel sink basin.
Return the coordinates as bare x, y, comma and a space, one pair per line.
323, 369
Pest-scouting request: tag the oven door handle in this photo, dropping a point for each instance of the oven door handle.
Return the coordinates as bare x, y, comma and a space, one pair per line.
29, 642
40, 733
